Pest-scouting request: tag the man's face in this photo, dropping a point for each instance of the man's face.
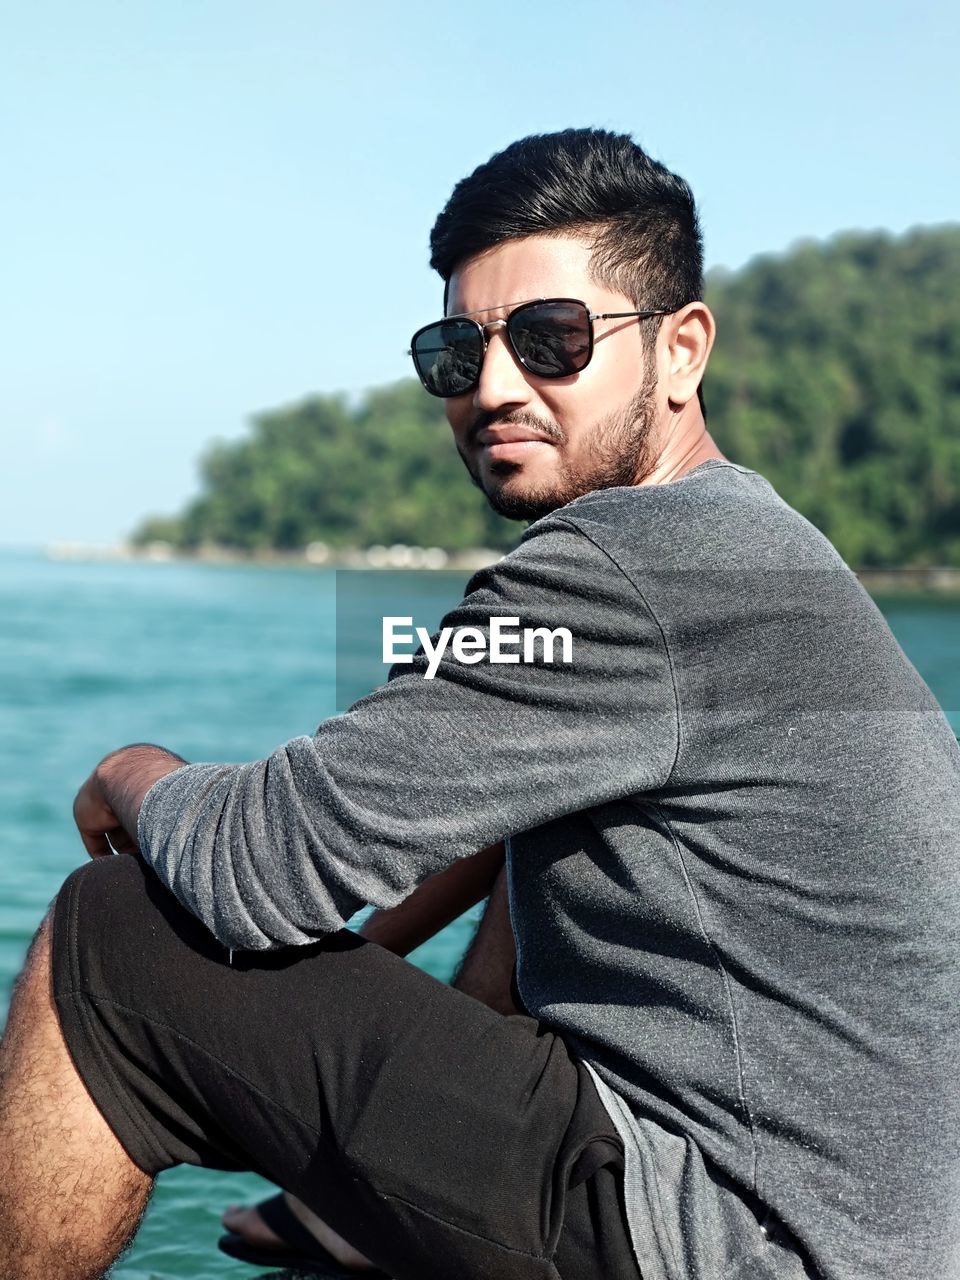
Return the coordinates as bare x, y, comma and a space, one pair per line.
533, 444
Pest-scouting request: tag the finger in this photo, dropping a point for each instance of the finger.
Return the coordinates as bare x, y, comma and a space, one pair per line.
96, 844
91, 814
121, 841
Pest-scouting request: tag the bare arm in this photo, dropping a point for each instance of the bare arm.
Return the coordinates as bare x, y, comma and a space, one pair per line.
436, 902
486, 972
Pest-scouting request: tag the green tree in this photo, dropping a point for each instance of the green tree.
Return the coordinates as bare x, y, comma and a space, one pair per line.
836, 374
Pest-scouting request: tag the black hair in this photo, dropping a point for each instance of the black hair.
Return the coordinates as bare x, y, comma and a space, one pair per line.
639, 218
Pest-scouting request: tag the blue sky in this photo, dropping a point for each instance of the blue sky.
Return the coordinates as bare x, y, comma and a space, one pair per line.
210, 207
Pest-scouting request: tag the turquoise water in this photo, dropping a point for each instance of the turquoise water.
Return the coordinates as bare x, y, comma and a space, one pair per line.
219, 663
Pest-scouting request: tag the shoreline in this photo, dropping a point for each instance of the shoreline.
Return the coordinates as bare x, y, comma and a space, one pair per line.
317, 555
932, 580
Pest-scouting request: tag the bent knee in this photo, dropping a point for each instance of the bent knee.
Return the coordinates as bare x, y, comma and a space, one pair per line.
119, 934
110, 898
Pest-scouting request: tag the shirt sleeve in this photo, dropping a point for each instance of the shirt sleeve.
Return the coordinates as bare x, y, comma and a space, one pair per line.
425, 771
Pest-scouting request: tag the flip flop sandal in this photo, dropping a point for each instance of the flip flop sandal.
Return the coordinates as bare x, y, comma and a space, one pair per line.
306, 1254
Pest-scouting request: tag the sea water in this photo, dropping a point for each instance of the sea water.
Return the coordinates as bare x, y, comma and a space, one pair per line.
218, 663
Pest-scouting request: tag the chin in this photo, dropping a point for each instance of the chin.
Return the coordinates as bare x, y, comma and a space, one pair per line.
525, 500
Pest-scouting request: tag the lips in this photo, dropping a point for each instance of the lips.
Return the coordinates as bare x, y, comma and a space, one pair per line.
511, 435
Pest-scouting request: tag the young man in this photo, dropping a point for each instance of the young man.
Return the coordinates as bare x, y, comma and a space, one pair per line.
733, 855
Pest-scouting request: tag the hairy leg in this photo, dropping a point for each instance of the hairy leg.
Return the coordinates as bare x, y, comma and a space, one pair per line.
70, 1197
484, 973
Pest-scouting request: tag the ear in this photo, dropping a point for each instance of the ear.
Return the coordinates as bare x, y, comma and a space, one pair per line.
689, 335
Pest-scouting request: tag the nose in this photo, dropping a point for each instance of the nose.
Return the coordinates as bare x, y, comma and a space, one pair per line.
502, 381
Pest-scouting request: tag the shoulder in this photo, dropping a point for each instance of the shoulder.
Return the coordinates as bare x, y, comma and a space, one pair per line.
555, 557
717, 515
714, 490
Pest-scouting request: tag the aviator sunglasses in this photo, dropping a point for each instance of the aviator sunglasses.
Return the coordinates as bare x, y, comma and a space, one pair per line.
551, 337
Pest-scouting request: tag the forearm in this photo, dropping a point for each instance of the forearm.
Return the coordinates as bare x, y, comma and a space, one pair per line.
122, 779
436, 902
281, 851
486, 971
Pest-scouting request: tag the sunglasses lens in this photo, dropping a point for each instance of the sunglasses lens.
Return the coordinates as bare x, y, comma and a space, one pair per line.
551, 338
448, 357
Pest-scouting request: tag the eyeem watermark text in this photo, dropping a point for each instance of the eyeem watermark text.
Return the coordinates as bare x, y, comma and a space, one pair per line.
504, 642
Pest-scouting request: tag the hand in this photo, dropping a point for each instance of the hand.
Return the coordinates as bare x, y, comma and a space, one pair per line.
107, 807
99, 827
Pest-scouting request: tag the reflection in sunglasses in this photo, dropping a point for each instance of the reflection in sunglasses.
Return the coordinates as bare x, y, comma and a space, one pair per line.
551, 338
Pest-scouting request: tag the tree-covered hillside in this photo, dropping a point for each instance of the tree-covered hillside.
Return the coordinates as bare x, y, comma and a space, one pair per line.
836, 374
383, 472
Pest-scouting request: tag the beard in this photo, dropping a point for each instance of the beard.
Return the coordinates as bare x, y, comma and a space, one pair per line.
622, 451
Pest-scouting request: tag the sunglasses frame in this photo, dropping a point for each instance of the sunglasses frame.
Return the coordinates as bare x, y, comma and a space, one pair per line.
519, 308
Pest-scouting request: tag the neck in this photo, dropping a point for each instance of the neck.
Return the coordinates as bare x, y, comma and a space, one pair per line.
688, 443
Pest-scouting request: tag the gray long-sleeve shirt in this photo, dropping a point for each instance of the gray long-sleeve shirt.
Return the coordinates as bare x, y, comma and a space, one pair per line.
734, 866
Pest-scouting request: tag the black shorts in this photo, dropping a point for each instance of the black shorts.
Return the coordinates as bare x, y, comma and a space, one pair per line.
439, 1138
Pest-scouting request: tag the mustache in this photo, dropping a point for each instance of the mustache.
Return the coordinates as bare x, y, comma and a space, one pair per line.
486, 419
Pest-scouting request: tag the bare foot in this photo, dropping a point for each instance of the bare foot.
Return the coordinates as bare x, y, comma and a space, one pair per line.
245, 1220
